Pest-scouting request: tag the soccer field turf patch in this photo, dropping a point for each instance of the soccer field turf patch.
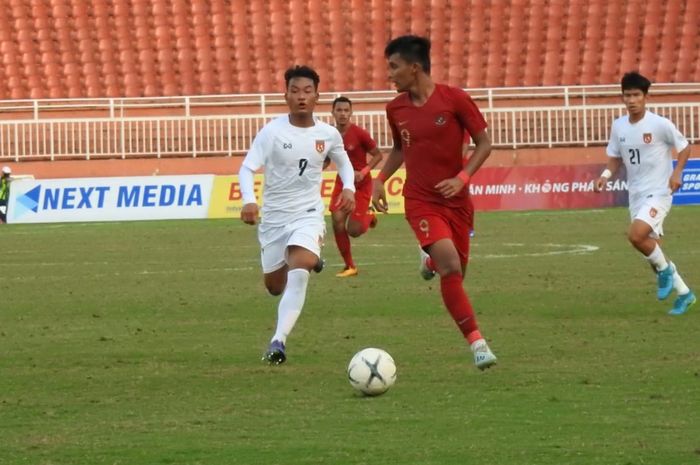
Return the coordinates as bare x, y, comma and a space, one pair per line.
140, 343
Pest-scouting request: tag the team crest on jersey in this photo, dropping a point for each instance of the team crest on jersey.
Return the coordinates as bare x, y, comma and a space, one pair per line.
349, 148
440, 120
424, 227
320, 146
405, 138
653, 212
647, 138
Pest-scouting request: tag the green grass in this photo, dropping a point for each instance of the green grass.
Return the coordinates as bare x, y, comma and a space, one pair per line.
140, 343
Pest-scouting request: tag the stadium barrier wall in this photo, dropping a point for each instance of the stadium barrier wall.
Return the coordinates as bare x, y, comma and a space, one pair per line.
109, 199
210, 196
495, 188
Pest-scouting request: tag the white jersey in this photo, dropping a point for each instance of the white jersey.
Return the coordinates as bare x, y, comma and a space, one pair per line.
293, 160
646, 150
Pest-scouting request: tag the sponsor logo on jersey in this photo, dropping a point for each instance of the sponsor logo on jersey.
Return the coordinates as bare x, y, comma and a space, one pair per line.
287, 146
320, 146
647, 138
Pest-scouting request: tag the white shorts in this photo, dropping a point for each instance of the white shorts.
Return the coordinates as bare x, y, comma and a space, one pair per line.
305, 232
653, 210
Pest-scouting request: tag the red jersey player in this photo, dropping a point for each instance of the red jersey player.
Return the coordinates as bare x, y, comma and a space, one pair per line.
358, 143
428, 122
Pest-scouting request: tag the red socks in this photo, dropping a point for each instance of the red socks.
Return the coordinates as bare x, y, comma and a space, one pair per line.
342, 240
366, 220
455, 298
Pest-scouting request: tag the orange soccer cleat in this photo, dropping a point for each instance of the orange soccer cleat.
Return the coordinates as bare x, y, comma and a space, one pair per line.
373, 221
347, 272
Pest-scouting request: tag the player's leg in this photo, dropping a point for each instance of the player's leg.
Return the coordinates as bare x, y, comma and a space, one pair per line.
449, 266
342, 241
276, 281
644, 234
340, 233
435, 234
362, 217
685, 297
273, 244
302, 253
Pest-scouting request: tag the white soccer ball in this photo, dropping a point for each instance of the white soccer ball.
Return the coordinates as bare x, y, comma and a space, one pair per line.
372, 371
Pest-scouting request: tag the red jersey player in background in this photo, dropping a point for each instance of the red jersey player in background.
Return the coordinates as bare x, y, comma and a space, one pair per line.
358, 143
428, 122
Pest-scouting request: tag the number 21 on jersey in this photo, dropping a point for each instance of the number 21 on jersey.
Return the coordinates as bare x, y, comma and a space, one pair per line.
634, 157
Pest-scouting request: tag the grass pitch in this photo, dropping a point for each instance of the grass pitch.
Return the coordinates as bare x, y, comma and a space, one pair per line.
140, 343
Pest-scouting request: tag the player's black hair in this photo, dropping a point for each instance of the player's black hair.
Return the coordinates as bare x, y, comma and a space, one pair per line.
341, 99
634, 80
301, 71
413, 49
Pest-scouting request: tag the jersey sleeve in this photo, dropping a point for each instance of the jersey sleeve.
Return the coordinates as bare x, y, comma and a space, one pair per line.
613, 148
468, 113
259, 149
673, 137
395, 135
367, 142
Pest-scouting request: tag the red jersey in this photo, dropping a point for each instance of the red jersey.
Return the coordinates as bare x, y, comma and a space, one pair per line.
431, 138
357, 143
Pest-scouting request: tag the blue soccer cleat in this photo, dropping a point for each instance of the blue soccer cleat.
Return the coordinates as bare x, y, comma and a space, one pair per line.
683, 303
275, 353
664, 280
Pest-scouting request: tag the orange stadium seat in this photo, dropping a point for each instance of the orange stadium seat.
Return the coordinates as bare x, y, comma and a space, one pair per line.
237, 45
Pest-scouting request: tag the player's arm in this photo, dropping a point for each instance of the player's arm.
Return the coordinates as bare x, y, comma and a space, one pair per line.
475, 125
370, 147
680, 143
614, 161
453, 186
246, 180
373, 162
393, 163
254, 160
611, 168
676, 180
346, 202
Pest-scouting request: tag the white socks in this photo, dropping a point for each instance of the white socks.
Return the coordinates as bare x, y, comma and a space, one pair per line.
678, 284
291, 303
657, 259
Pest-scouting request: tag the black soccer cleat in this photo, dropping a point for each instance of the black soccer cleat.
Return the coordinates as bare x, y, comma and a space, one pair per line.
275, 353
319, 265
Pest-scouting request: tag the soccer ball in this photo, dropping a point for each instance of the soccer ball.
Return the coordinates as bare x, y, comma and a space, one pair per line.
372, 371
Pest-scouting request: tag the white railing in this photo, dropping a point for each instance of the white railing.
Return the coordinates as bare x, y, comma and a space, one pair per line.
265, 104
195, 136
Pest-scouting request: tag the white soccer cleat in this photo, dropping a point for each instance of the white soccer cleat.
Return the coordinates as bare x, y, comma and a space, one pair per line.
483, 357
425, 272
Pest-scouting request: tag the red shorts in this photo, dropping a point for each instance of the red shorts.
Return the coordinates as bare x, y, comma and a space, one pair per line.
432, 222
363, 196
